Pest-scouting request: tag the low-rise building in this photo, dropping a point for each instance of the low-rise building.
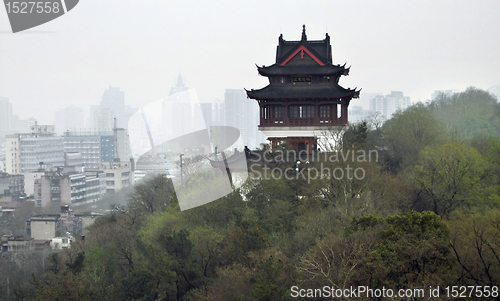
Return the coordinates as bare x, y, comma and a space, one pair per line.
11, 243
7, 208
60, 243
49, 226
16, 244
118, 175
71, 188
11, 186
42, 227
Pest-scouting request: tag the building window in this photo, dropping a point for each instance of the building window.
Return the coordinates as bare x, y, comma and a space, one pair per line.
265, 112
325, 111
302, 111
279, 111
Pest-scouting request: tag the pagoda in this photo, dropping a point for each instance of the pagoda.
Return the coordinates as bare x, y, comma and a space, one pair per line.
303, 98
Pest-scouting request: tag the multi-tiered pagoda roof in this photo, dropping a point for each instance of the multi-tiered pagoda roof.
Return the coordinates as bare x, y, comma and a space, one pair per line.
303, 96
308, 59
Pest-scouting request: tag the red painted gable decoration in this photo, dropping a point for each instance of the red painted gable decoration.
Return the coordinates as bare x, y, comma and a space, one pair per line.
302, 49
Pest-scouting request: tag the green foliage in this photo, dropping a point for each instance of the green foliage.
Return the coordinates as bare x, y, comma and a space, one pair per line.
151, 196
270, 234
414, 251
268, 285
407, 133
139, 286
468, 114
365, 222
233, 282
448, 176
77, 265
355, 136
475, 240
207, 245
241, 240
221, 214
492, 156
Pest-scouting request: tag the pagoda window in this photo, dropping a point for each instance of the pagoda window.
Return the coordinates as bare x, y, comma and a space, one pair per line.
279, 111
302, 111
265, 112
339, 110
325, 111
309, 111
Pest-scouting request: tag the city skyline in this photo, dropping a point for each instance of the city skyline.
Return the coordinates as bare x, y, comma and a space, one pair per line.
415, 48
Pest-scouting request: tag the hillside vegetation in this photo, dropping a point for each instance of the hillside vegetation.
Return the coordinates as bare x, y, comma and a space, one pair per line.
426, 214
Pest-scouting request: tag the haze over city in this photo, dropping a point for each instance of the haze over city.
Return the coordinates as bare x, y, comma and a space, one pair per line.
141, 47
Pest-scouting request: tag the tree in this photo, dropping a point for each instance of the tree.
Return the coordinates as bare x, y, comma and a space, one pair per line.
241, 240
207, 245
468, 114
151, 196
338, 261
414, 252
406, 134
233, 282
355, 136
475, 240
268, 284
447, 177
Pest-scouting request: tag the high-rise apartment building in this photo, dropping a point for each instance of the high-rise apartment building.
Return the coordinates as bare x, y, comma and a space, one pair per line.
389, 104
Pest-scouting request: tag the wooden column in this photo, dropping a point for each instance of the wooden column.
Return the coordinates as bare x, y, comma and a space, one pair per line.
316, 113
344, 113
286, 120
334, 113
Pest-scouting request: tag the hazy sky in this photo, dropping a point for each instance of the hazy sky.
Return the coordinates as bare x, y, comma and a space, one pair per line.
141, 46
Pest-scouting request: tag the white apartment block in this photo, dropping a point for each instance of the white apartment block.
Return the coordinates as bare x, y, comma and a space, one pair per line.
389, 104
24, 153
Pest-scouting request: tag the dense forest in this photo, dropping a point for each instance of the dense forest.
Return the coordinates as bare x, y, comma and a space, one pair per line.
425, 213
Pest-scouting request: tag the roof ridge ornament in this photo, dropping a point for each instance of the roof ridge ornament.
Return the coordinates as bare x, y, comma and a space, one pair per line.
304, 37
